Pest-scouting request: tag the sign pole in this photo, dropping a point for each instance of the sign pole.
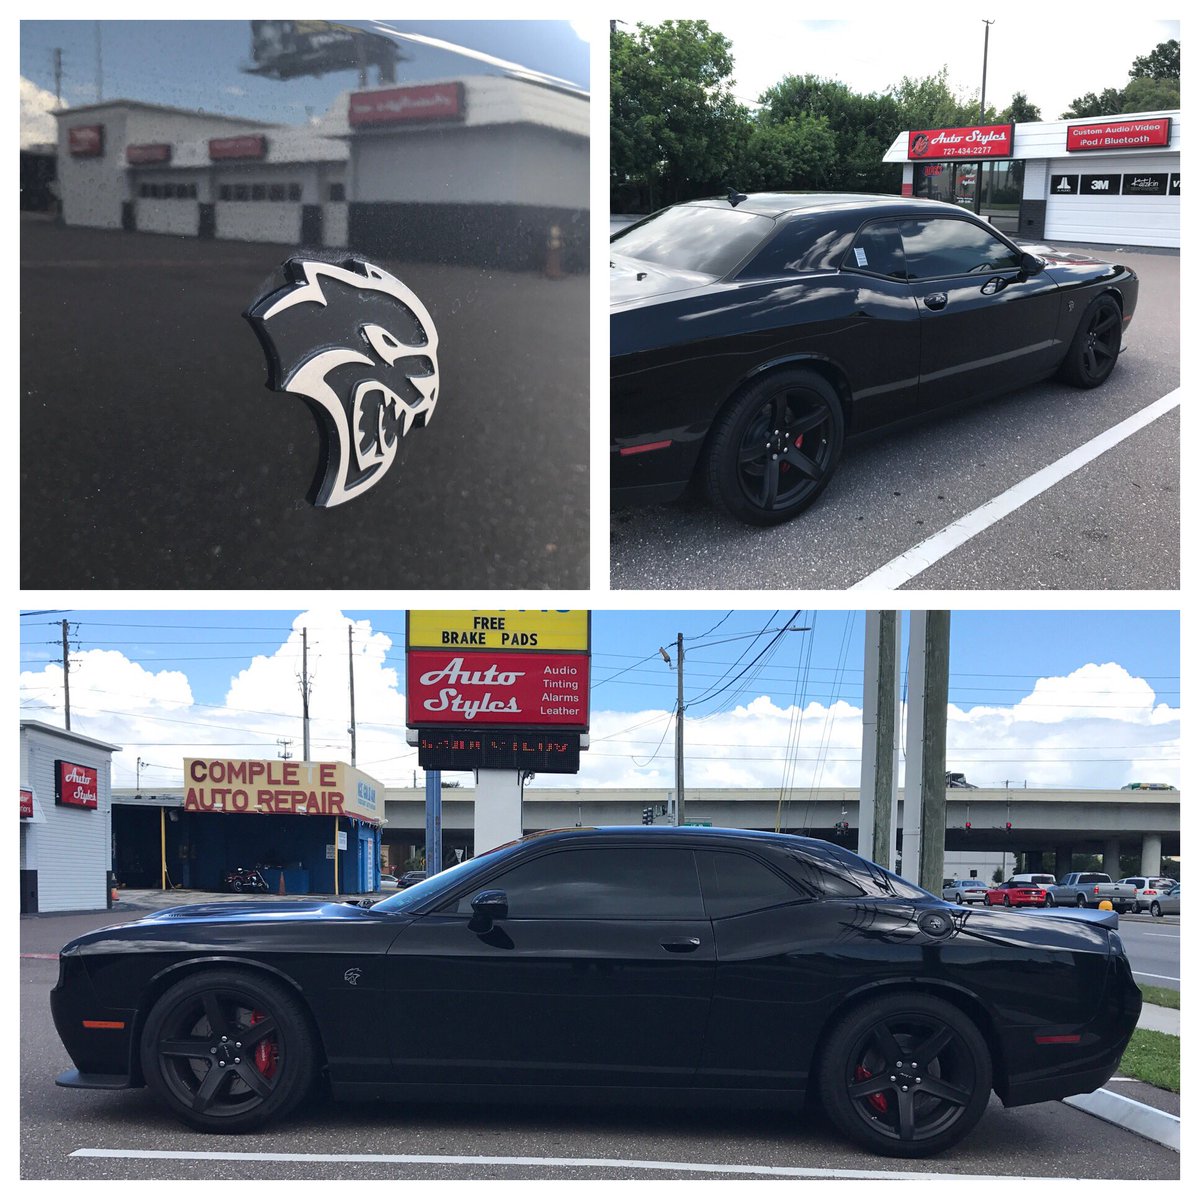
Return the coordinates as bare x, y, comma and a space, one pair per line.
433, 821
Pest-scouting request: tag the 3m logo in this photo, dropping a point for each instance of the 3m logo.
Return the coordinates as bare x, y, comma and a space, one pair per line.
1099, 185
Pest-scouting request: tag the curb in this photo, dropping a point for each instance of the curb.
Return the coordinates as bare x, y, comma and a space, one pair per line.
1139, 1118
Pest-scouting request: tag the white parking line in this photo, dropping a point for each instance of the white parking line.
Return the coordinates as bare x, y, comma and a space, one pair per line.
912, 562
487, 1160
1149, 975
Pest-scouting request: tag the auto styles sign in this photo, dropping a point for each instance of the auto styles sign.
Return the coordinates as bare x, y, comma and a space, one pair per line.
76, 786
1119, 135
250, 145
281, 787
86, 141
408, 105
148, 152
971, 141
487, 688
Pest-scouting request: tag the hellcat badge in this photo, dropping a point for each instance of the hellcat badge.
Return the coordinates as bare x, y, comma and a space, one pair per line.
361, 349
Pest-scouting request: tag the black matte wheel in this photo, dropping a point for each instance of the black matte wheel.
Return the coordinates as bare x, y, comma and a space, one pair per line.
1095, 346
774, 448
958, 898
1049, 899
906, 1075
228, 1051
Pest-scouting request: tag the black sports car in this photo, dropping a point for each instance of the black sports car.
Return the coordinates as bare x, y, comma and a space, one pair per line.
549, 966
751, 335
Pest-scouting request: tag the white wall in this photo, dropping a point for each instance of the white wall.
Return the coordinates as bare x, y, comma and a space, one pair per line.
495, 164
93, 189
1113, 220
71, 851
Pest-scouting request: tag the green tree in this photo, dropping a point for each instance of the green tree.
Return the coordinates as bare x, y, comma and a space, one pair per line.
674, 121
929, 103
1106, 104
1021, 110
862, 126
791, 155
1161, 63
1146, 94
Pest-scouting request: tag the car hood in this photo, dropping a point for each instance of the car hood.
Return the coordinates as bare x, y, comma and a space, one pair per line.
1061, 257
631, 279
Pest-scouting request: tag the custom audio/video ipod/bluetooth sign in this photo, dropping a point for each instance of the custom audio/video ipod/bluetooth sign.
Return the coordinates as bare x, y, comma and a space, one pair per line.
499, 688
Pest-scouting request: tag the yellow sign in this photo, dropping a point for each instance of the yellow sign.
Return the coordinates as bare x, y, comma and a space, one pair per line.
253, 785
499, 629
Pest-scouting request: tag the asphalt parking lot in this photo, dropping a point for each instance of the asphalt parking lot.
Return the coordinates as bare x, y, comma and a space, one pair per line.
1112, 524
69, 1134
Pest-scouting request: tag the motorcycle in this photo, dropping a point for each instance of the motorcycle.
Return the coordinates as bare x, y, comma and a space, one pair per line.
241, 879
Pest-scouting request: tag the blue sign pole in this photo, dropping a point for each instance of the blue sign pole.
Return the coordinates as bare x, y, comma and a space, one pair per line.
433, 822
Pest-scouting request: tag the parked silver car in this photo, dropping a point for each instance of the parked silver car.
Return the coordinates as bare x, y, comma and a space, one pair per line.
1149, 888
964, 891
1166, 903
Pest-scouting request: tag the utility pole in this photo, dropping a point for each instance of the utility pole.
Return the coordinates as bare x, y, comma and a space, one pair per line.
880, 748
933, 735
987, 29
353, 733
285, 748
304, 687
57, 77
66, 676
679, 731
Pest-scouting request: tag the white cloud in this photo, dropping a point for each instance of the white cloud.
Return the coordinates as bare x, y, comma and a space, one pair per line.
1099, 726
37, 125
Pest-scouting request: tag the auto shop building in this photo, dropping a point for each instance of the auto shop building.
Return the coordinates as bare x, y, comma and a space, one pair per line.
481, 169
66, 819
1105, 181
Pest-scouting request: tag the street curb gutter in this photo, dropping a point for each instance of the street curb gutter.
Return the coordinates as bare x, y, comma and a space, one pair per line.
1139, 1118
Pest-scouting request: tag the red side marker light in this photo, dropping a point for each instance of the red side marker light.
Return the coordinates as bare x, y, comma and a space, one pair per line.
628, 450
104, 1024
1057, 1039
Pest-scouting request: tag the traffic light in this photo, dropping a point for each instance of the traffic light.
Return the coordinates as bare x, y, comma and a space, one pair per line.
967, 825
1008, 825
647, 816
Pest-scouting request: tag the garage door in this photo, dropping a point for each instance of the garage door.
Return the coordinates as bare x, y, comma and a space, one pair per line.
1112, 200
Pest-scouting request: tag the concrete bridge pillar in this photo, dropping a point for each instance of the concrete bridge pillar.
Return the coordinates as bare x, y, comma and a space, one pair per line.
1062, 861
1151, 854
1112, 858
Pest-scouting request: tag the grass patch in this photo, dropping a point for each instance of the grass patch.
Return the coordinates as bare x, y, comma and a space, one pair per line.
1152, 1057
1163, 997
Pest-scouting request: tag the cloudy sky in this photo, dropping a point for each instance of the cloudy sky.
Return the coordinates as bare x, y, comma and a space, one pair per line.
773, 699
1052, 55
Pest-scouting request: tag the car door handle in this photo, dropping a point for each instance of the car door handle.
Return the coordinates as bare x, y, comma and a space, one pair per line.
936, 301
683, 946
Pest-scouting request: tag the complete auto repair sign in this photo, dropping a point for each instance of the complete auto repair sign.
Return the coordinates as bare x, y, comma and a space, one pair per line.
461, 680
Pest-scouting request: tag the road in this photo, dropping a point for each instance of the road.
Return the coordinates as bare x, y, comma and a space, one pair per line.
125, 1135
1153, 949
1113, 524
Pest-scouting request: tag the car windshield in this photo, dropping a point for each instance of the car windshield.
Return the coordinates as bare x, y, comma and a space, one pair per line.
416, 896
694, 238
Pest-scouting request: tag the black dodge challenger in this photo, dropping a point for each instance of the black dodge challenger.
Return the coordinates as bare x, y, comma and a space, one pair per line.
751, 335
587, 964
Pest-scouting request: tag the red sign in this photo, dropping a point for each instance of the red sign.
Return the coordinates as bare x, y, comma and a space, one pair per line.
250, 145
973, 141
149, 152
1118, 135
396, 106
86, 141
26, 802
76, 786
482, 688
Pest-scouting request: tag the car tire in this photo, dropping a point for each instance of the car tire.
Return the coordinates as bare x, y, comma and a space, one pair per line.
774, 447
987, 902
905, 1112
1007, 902
1094, 348
1049, 900
273, 1060
958, 898
1081, 901
1155, 908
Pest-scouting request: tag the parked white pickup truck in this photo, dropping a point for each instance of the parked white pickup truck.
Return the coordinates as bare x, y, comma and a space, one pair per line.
1085, 889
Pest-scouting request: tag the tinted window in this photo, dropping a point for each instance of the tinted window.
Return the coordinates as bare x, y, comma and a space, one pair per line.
802, 242
620, 881
691, 238
736, 883
941, 246
878, 249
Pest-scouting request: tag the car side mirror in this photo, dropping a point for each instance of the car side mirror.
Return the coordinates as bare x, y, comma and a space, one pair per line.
487, 908
1031, 264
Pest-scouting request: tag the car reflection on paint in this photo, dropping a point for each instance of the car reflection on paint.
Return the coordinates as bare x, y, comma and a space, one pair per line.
785, 966
751, 335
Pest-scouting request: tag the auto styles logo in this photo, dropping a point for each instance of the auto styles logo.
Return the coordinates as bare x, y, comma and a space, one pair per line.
361, 350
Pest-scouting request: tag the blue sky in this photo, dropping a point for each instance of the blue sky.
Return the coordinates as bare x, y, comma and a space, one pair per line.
1067, 698
156, 61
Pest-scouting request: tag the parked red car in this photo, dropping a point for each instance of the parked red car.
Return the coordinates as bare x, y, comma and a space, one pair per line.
1013, 894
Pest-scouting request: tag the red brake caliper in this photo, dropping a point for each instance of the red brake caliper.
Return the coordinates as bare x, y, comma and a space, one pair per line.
877, 1099
266, 1053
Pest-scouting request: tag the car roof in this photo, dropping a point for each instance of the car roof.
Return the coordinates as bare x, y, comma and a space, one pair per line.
719, 835
778, 204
